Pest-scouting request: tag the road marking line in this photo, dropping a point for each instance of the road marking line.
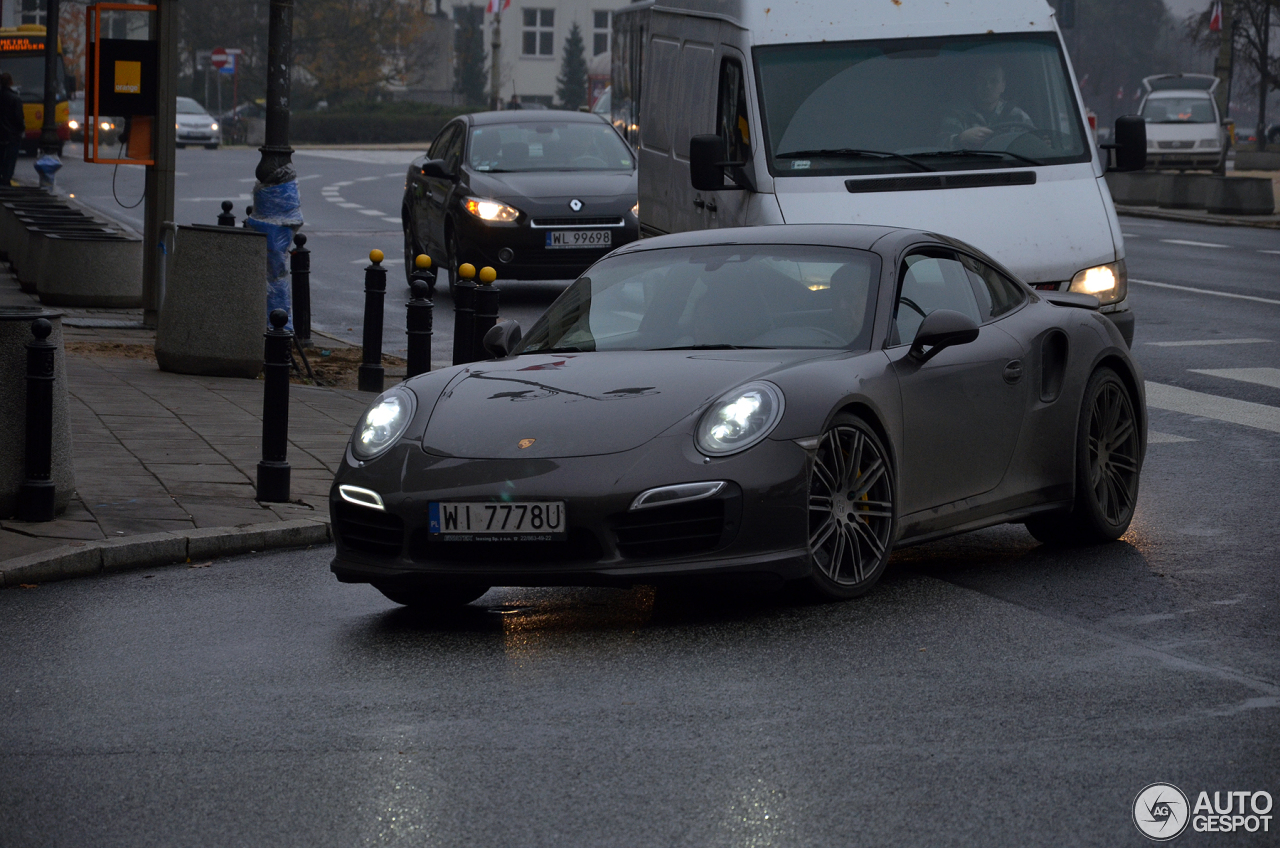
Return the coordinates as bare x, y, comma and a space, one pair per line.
345, 183
1156, 438
330, 190
350, 205
215, 199
1194, 243
1130, 235
1260, 376
1205, 291
335, 199
1206, 342
391, 220
366, 179
1272, 252
397, 174
373, 212
1174, 399
365, 261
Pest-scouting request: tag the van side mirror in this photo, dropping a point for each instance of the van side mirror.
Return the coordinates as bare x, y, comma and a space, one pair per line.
1130, 143
502, 338
940, 329
706, 152
435, 168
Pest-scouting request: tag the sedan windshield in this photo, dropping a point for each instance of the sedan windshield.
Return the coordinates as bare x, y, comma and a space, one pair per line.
548, 146
187, 106
856, 107
718, 297
1178, 110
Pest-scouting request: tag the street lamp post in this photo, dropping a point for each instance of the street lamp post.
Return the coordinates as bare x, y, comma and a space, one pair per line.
49, 141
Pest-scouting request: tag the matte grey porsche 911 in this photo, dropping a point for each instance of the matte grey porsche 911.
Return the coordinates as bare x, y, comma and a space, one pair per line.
788, 402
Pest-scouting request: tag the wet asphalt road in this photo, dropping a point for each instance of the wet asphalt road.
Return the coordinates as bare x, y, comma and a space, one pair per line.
989, 692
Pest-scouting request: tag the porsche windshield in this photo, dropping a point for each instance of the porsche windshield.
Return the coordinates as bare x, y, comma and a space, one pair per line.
716, 297
856, 107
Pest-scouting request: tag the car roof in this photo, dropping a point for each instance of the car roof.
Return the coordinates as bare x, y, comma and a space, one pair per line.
856, 236
532, 116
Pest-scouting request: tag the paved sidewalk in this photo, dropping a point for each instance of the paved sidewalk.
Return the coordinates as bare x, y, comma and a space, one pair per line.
165, 465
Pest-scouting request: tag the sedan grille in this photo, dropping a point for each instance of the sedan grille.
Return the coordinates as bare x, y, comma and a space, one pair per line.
615, 221
670, 531
368, 530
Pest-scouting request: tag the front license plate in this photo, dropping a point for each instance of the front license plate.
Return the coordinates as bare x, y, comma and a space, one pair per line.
480, 521
579, 238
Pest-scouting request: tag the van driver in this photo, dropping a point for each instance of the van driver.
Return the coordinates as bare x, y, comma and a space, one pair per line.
972, 124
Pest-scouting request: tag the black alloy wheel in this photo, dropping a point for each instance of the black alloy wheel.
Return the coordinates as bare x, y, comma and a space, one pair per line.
851, 509
431, 597
1108, 466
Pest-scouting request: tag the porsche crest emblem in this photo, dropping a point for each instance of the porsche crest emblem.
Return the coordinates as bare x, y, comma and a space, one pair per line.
524, 443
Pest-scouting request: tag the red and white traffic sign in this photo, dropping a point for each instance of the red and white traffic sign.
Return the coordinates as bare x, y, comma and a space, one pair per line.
219, 58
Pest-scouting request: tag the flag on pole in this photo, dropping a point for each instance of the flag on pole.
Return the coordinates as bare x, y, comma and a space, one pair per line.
1215, 16
496, 6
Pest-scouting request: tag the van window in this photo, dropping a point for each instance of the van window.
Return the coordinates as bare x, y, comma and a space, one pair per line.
1179, 110
732, 123
961, 102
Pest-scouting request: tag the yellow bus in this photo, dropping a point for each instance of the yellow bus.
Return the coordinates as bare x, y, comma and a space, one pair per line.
22, 56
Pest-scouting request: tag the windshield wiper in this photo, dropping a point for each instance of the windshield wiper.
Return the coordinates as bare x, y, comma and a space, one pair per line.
986, 154
566, 349
852, 153
712, 347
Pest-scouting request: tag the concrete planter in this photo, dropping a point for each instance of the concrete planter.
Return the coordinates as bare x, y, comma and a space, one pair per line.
15, 332
1255, 160
1242, 196
1184, 191
25, 261
87, 269
11, 229
1134, 188
215, 303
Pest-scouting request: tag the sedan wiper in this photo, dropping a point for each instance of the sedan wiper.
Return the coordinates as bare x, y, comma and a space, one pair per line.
986, 154
852, 153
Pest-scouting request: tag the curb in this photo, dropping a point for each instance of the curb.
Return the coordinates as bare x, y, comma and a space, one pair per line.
156, 549
1266, 222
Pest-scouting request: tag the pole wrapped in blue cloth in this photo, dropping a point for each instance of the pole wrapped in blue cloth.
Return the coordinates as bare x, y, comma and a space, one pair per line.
277, 212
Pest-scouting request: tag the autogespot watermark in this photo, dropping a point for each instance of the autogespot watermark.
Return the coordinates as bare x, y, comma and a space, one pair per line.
1162, 812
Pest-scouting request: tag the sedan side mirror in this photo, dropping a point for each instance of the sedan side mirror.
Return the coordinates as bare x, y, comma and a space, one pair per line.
435, 168
706, 152
940, 329
502, 338
1130, 143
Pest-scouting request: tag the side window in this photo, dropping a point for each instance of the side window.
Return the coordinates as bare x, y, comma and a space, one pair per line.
441, 142
996, 293
930, 281
452, 154
732, 123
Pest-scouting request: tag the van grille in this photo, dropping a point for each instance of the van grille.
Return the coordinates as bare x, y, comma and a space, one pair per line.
369, 531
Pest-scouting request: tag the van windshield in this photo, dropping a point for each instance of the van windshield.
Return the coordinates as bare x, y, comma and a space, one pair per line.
933, 104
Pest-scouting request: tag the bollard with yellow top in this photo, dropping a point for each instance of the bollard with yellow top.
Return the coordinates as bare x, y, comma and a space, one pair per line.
464, 313
486, 304
419, 318
422, 270
375, 291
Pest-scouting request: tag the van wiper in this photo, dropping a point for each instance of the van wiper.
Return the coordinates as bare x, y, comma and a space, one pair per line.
852, 153
565, 349
986, 154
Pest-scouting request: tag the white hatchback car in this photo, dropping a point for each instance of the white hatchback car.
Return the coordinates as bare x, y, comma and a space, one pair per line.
196, 126
1184, 129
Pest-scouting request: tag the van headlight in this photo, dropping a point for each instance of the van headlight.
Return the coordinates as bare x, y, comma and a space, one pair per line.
739, 419
1108, 283
382, 423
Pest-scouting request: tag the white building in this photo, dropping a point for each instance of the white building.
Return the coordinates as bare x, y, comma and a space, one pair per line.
15, 12
533, 35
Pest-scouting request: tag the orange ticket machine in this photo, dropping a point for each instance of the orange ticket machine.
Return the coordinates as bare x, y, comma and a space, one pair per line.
121, 78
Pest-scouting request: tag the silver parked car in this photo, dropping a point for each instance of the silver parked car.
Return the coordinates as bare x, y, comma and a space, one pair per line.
1184, 129
196, 126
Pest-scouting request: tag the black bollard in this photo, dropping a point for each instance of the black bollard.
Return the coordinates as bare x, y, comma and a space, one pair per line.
422, 271
36, 496
273, 470
486, 312
375, 290
418, 323
226, 219
464, 313
248, 210
300, 283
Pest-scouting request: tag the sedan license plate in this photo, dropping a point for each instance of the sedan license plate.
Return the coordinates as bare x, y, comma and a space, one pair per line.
481, 521
559, 239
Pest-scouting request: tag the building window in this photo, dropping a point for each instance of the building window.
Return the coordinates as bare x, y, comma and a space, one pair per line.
600, 33
538, 37
32, 12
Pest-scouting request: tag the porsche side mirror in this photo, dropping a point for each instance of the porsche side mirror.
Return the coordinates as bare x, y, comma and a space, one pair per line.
940, 329
502, 338
706, 152
1130, 143
435, 168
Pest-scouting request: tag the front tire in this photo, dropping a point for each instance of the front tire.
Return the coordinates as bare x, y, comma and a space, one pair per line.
432, 598
852, 494
1107, 467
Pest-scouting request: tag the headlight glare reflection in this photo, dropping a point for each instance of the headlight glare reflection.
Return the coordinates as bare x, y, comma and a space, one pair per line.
1109, 283
739, 419
382, 424
491, 210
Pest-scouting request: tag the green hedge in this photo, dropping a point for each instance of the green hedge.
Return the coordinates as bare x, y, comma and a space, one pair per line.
394, 123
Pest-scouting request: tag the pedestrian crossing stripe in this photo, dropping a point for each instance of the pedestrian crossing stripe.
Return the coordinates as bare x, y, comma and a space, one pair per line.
1202, 405
1259, 376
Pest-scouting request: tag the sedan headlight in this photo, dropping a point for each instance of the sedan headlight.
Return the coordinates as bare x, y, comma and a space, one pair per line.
1109, 283
382, 423
739, 419
635, 210
73, 125
491, 210
213, 126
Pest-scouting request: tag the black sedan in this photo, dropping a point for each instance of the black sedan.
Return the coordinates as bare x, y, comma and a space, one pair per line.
537, 195
788, 403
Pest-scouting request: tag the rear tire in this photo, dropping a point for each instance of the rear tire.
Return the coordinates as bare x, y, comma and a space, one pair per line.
1107, 468
428, 597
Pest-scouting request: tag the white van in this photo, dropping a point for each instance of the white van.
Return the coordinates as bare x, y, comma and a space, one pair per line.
1184, 130
958, 118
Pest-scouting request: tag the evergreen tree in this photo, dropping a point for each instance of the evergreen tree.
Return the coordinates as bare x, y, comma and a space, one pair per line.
472, 79
571, 85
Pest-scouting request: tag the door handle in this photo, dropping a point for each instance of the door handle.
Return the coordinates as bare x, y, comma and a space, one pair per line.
1013, 372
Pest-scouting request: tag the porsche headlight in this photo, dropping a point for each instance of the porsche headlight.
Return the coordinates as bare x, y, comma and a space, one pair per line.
739, 419
382, 423
491, 210
1109, 283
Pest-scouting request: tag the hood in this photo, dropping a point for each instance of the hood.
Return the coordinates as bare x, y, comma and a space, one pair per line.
585, 404
1044, 232
554, 185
